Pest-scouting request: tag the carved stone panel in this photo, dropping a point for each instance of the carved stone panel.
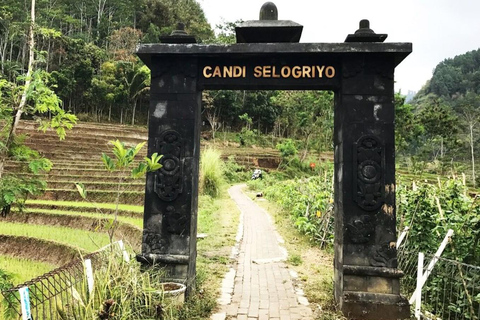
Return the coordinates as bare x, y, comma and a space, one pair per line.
360, 229
169, 179
176, 222
369, 179
384, 255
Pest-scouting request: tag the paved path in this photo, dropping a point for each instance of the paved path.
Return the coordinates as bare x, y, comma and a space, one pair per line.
263, 286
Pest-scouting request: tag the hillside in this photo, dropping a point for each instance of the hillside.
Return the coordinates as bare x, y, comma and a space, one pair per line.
454, 77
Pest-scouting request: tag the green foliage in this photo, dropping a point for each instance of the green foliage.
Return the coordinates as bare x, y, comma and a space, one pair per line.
16, 188
234, 172
295, 259
308, 202
430, 210
287, 149
211, 172
407, 127
6, 282
456, 76
307, 116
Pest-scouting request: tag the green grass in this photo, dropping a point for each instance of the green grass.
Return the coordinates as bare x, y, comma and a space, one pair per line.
89, 241
125, 207
218, 218
138, 222
24, 269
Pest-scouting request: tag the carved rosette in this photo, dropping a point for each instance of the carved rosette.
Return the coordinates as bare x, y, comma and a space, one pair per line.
369, 179
169, 179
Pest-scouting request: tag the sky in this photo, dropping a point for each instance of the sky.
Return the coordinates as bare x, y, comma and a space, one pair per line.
438, 29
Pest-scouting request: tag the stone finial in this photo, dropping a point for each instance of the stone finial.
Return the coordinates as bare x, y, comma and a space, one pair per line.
179, 35
180, 31
269, 11
364, 27
365, 34
268, 29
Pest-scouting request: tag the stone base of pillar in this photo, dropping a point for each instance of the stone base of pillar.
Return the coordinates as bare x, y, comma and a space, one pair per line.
174, 266
375, 306
372, 293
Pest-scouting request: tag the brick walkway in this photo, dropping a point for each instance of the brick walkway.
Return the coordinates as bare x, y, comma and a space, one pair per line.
263, 287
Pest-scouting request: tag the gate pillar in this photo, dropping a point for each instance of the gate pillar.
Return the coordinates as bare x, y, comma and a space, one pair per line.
366, 275
171, 193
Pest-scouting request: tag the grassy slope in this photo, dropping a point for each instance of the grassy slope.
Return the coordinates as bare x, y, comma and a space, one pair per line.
89, 205
23, 269
133, 221
87, 240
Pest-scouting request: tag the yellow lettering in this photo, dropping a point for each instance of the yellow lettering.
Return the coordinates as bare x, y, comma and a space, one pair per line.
286, 72
237, 72
320, 71
296, 72
274, 74
306, 72
257, 72
244, 71
330, 72
267, 70
227, 71
206, 70
217, 72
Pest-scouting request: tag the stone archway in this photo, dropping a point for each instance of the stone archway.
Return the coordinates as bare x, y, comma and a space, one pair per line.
361, 73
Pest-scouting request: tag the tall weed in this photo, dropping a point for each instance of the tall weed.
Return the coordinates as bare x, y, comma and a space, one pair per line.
211, 172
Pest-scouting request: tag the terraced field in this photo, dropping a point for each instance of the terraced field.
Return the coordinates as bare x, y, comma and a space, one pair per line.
59, 226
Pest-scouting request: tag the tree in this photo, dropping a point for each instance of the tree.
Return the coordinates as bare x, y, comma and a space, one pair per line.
306, 113
211, 113
33, 97
407, 129
469, 109
441, 125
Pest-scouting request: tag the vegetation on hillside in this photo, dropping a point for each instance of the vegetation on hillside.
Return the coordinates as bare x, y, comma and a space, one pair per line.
446, 116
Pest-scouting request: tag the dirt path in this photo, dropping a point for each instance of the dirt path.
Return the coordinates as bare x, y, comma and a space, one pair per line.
263, 286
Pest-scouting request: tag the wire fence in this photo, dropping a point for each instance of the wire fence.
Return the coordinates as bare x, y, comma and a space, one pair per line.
452, 291
60, 287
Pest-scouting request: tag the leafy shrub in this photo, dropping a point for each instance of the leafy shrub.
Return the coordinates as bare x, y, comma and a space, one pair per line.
287, 149
430, 210
15, 188
211, 172
234, 172
309, 202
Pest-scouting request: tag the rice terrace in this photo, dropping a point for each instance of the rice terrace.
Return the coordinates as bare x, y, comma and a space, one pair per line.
155, 166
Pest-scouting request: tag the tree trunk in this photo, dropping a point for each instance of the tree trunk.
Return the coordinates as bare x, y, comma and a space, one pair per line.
109, 112
305, 152
133, 113
23, 100
473, 155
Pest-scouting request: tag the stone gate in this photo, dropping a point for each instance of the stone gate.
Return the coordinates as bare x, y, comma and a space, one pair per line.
268, 56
